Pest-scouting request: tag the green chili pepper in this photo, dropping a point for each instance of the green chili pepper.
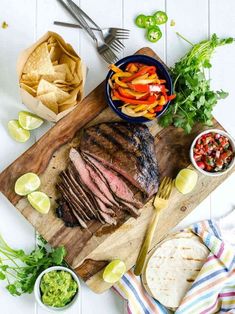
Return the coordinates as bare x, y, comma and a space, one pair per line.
140, 21
149, 21
154, 34
160, 17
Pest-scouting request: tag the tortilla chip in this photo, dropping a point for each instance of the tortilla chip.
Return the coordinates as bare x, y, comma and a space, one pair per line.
45, 87
30, 77
54, 77
49, 100
32, 91
64, 58
39, 61
55, 53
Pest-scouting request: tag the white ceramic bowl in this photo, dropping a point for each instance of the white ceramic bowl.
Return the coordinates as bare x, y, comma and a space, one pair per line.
219, 173
76, 300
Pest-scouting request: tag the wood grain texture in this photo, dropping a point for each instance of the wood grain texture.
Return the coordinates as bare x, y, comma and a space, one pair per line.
91, 249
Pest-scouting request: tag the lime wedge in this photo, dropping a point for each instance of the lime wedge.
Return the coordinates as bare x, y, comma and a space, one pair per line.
114, 271
40, 201
186, 181
17, 132
27, 183
29, 121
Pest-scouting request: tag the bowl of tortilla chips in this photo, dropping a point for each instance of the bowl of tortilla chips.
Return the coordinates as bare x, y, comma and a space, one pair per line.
51, 77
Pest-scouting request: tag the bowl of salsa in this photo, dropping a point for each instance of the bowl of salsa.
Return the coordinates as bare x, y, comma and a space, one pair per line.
213, 152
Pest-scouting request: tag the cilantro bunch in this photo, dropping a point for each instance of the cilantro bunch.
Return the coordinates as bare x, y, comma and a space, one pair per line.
194, 100
21, 270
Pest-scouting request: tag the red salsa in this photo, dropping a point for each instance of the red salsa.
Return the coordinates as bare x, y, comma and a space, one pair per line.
213, 152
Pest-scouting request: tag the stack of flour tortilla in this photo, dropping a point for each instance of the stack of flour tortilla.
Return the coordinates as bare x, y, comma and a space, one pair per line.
173, 267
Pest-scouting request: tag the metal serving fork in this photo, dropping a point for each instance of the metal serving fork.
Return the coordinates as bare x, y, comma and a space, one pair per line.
111, 35
103, 49
160, 202
110, 40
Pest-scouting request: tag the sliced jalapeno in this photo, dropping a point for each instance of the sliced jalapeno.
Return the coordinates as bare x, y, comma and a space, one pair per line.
149, 21
154, 34
140, 20
160, 17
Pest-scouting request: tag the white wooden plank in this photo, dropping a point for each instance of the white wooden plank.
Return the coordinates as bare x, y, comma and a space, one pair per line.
12, 41
106, 14
105, 303
191, 18
223, 198
131, 10
13, 227
222, 22
50, 11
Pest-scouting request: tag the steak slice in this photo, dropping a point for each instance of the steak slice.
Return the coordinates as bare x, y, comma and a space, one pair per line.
116, 183
85, 194
73, 205
85, 177
64, 212
102, 186
126, 148
71, 183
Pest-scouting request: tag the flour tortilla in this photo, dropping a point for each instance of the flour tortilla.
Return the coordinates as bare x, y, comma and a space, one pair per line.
173, 267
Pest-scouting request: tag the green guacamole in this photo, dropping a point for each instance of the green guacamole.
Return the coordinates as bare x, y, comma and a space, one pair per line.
58, 288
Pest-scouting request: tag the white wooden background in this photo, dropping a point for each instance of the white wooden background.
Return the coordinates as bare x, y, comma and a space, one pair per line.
29, 19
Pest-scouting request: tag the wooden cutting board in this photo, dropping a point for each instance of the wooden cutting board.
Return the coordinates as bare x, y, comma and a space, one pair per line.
88, 251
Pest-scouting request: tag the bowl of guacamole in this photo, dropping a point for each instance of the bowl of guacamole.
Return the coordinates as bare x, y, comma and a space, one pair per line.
57, 288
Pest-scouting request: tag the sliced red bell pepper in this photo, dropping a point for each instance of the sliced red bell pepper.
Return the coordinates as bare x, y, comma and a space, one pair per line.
148, 101
158, 108
144, 70
139, 87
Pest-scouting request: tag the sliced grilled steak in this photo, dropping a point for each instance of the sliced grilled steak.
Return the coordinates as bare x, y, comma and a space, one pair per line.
88, 211
65, 213
85, 194
117, 183
126, 148
73, 205
85, 177
100, 183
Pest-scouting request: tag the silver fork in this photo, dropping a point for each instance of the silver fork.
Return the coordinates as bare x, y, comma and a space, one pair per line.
103, 49
110, 36
119, 33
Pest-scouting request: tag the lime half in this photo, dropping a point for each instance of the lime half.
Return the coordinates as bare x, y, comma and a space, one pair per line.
17, 132
27, 183
40, 201
29, 121
186, 181
114, 271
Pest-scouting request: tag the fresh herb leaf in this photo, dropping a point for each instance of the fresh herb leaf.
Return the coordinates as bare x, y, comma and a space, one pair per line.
22, 270
194, 100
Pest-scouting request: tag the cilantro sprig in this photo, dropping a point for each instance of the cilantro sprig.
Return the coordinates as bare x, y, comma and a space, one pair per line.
21, 270
194, 100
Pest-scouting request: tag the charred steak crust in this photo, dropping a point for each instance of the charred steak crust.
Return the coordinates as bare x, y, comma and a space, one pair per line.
126, 148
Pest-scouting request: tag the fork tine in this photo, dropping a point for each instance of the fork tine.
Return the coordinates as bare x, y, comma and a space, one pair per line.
118, 43
121, 29
167, 190
164, 188
116, 46
110, 55
121, 37
162, 184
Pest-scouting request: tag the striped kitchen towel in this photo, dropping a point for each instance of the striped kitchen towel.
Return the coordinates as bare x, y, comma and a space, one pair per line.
212, 292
